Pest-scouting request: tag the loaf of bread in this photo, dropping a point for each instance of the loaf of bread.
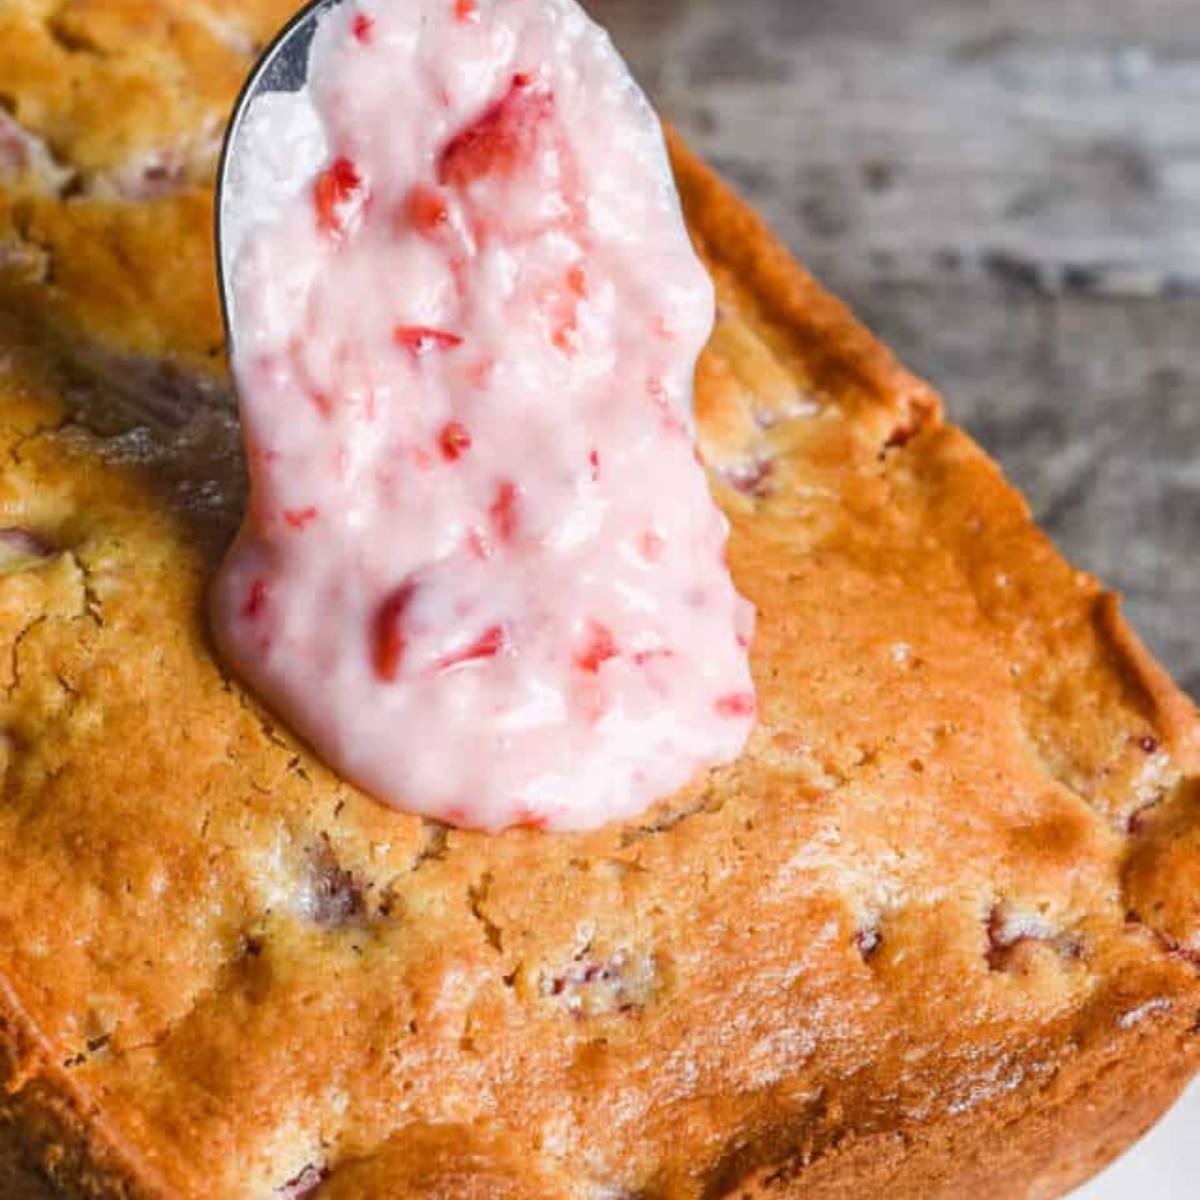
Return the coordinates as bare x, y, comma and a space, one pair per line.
935, 934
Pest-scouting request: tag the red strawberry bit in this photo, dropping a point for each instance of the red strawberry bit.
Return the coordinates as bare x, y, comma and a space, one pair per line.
643, 657
594, 463
740, 704
600, 648
753, 479
588, 699
1001, 941
426, 209
363, 28
1138, 819
304, 1185
455, 440
527, 818
670, 418
504, 511
500, 140
458, 269
256, 600
652, 546
564, 303
334, 189
18, 543
467, 10
300, 518
481, 373
488, 645
14, 147
478, 545
419, 340
566, 339
868, 942
389, 638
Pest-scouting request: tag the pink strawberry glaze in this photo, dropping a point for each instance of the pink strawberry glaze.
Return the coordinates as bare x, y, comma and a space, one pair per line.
481, 571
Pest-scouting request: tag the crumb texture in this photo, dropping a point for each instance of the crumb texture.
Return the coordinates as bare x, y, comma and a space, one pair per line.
936, 931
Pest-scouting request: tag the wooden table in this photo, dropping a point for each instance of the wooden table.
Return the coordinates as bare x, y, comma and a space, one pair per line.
1009, 193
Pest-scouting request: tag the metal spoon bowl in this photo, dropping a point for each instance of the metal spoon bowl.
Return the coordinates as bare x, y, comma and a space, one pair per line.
282, 67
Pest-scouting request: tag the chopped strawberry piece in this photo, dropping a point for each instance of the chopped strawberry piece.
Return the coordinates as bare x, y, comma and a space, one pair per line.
488, 645
671, 420
298, 518
305, 1184
528, 819
466, 10
478, 545
594, 463
868, 942
481, 373
600, 648
455, 440
589, 701
752, 478
565, 339
504, 511
363, 27
652, 546
256, 600
648, 656
426, 209
419, 340
390, 640
323, 403
334, 189
500, 140
577, 281
740, 704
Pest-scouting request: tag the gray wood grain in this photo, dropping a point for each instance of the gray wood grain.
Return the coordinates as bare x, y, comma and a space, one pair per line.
1009, 193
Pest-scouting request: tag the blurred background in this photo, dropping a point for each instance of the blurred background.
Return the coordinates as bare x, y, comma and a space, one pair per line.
1008, 192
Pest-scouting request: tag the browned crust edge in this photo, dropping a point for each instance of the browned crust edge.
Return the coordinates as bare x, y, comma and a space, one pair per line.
61, 1130
1093, 1110
845, 357
1173, 712
1096, 1106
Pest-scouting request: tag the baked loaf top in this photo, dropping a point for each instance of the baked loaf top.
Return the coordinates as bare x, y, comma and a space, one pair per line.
935, 931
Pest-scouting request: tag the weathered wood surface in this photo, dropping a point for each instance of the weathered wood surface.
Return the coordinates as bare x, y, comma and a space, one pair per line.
1008, 191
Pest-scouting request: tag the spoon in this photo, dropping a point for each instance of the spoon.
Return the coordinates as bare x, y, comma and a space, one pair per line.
282, 67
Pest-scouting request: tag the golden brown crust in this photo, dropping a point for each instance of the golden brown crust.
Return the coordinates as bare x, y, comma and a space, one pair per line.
1092, 1115
934, 932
